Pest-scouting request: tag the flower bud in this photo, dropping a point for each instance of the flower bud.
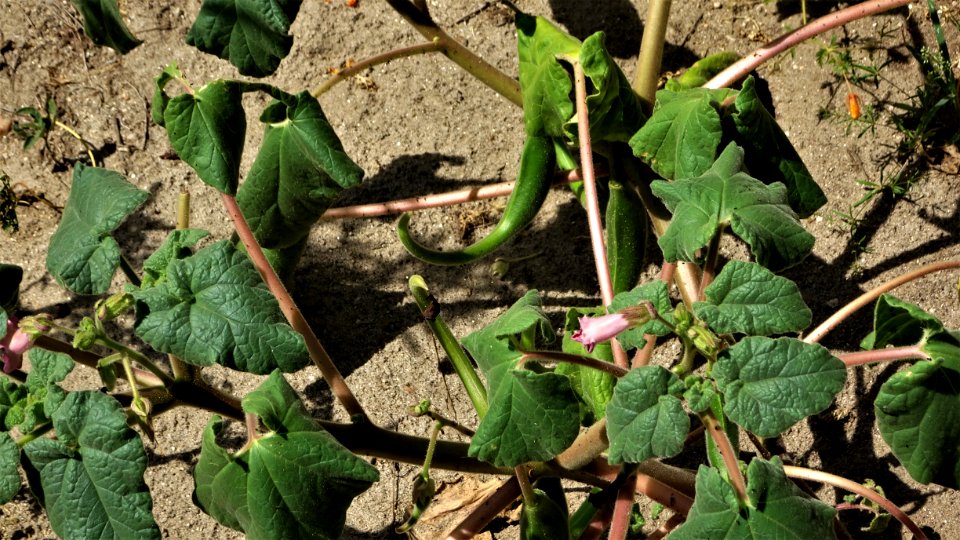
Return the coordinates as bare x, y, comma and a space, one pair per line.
593, 330
14, 343
86, 335
114, 306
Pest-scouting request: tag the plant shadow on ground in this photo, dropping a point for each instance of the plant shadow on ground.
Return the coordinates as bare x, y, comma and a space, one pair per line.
354, 313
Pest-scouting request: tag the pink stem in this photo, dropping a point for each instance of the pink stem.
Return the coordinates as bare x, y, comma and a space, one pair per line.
826, 326
668, 527
853, 487
585, 361
593, 203
838, 18
882, 355
670, 497
620, 523
729, 454
432, 201
290, 310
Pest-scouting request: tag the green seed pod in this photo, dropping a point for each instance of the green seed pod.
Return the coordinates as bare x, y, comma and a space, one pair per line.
543, 519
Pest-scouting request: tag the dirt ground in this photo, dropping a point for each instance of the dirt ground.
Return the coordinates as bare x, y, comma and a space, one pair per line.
421, 125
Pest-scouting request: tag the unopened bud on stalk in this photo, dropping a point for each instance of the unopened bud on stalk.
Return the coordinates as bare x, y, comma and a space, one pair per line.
86, 335
113, 307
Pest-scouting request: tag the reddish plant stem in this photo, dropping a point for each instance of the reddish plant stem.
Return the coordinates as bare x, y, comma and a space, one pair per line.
664, 494
853, 487
592, 202
893, 354
642, 357
710, 265
838, 18
551, 356
290, 310
729, 454
834, 320
620, 520
433, 201
668, 527
598, 524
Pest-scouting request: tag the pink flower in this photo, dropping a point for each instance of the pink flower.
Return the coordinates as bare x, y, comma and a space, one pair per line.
13, 345
593, 330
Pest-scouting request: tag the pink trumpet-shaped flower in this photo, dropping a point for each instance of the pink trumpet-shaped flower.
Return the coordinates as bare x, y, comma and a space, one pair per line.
13, 345
594, 330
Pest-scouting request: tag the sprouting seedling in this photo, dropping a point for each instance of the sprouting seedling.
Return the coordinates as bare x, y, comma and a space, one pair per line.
501, 265
39, 125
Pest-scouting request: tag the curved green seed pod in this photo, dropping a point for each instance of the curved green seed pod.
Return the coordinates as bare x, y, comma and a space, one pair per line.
543, 519
533, 184
626, 237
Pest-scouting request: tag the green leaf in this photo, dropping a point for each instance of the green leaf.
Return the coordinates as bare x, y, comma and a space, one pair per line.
251, 34
770, 384
11, 393
299, 172
680, 139
748, 298
492, 347
104, 26
94, 469
769, 154
545, 83
532, 417
82, 255
206, 128
214, 308
918, 413
177, 246
757, 213
594, 387
10, 277
645, 418
702, 71
47, 368
654, 292
299, 481
278, 406
898, 323
9, 475
613, 107
777, 508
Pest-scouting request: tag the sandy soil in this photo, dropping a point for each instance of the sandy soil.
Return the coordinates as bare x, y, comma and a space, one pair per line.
423, 126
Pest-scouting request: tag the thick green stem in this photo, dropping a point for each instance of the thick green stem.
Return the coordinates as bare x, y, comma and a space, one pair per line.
37, 432
463, 57
647, 76
458, 358
182, 370
346, 73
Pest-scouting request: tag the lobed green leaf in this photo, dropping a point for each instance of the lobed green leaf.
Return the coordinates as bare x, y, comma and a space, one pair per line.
9, 474
300, 170
545, 83
645, 418
724, 195
898, 323
776, 508
748, 298
82, 255
177, 245
213, 307
93, 469
770, 384
293, 483
251, 34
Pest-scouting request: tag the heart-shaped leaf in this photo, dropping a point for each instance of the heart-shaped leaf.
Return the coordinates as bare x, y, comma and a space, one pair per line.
298, 478
750, 299
545, 83
300, 169
645, 418
93, 469
213, 307
82, 255
770, 384
251, 34
532, 417
724, 195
